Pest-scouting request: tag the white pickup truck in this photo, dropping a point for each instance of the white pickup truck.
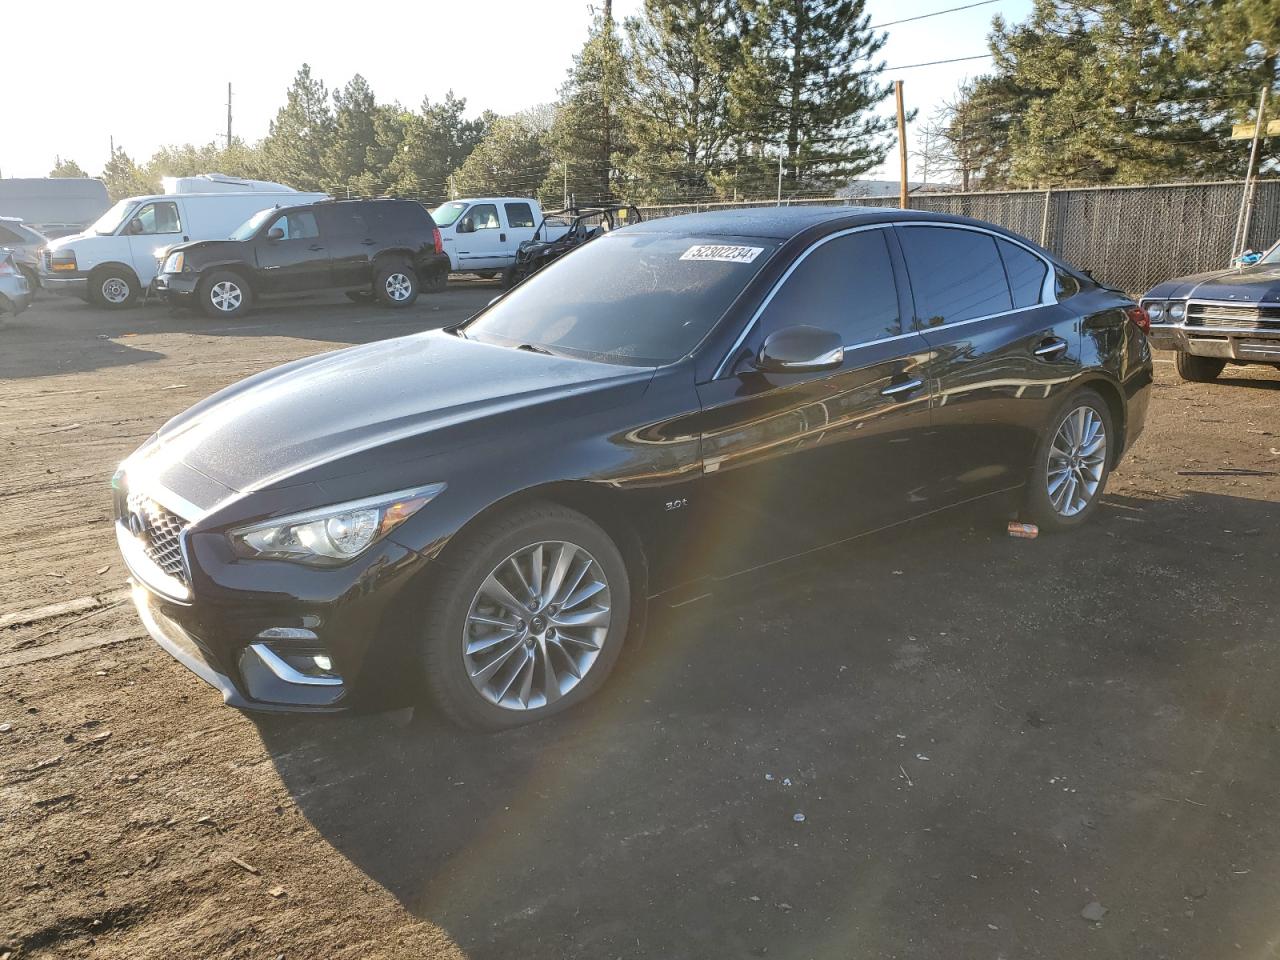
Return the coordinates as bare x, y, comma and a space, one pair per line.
481, 234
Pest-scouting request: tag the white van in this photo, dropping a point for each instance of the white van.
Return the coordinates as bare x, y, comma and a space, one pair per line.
481, 235
116, 258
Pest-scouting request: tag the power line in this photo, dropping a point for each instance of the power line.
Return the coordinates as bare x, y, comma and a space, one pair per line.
936, 13
934, 63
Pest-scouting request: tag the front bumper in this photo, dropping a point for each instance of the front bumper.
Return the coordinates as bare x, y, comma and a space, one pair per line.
243, 626
66, 286
1243, 345
175, 287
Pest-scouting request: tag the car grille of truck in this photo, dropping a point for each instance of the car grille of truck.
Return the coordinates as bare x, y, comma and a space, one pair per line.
1243, 317
48, 259
161, 534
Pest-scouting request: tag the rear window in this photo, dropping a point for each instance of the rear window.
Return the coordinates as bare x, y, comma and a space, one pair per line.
519, 215
1026, 274
397, 216
635, 298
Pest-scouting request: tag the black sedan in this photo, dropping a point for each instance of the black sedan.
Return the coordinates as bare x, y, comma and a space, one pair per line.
485, 511
1225, 316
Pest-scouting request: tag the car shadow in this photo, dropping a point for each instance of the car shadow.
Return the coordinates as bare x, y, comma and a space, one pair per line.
850, 749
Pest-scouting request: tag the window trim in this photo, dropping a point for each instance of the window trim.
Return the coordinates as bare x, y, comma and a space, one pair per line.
476, 206
1048, 294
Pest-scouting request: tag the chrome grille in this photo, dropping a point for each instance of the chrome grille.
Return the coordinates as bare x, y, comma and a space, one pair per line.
160, 533
1240, 317
48, 259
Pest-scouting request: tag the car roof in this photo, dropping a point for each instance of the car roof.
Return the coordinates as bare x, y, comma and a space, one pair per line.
783, 223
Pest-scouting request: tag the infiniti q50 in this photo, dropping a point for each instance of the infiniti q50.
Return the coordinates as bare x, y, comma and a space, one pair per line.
486, 510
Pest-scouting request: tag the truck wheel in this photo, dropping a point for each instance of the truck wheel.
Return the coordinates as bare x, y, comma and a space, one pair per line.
1199, 369
396, 285
113, 287
223, 295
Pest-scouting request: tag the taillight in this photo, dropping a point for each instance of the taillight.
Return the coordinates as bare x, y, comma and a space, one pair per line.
1139, 317
435, 233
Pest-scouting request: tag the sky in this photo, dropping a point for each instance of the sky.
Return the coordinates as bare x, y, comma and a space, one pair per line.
102, 72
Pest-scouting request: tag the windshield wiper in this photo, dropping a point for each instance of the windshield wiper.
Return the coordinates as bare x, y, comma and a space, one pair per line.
534, 348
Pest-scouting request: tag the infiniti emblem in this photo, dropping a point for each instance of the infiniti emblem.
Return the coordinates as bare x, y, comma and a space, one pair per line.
137, 523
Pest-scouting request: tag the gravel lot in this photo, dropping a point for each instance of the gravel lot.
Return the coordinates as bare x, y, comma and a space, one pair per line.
1064, 747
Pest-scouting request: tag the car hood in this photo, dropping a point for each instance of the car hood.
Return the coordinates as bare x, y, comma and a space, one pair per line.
366, 407
202, 250
1259, 283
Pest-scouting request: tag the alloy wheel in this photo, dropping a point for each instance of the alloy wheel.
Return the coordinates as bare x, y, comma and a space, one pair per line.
536, 625
115, 290
399, 287
1077, 460
226, 296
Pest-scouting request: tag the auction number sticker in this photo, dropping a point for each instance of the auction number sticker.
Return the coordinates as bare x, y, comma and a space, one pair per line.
722, 253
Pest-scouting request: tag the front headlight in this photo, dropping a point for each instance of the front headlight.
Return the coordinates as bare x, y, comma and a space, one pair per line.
1176, 310
174, 263
331, 535
1155, 310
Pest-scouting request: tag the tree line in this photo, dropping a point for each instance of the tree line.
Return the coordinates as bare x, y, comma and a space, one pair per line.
715, 99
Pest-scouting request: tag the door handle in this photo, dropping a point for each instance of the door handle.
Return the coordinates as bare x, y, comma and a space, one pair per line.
1051, 348
368, 243
502, 238
315, 246
902, 388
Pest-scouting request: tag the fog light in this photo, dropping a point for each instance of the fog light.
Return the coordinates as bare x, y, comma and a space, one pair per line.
323, 663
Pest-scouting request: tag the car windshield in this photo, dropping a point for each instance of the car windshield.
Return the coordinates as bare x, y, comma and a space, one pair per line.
250, 226
640, 298
447, 214
110, 221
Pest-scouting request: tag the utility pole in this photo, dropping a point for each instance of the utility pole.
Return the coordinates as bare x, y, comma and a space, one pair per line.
902, 146
779, 179
566, 184
113, 145
1245, 219
228, 115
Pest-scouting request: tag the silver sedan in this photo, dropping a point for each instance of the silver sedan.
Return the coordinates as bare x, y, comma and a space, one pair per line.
15, 289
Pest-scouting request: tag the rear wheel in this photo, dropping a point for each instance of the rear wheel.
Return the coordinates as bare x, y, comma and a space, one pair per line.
396, 285
1199, 369
1073, 461
113, 287
224, 295
526, 619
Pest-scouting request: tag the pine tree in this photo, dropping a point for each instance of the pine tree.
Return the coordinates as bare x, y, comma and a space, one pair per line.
511, 159
295, 148
682, 55
365, 139
124, 178
586, 139
437, 140
67, 168
807, 89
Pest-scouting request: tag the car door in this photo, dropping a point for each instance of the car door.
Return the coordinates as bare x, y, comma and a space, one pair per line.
481, 239
352, 240
1002, 348
793, 461
153, 228
291, 254
520, 225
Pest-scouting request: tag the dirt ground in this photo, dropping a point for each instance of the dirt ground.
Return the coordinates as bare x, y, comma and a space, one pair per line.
941, 743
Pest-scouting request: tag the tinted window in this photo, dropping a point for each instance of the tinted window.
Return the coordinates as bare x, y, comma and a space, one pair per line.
397, 216
1026, 273
155, 218
639, 298
1067, 285
298, 225
845, 285
519, 215
345, 221
955, 274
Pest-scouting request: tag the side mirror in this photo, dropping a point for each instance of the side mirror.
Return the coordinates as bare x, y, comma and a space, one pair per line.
135, 228
800, 349
275, 233
465, 226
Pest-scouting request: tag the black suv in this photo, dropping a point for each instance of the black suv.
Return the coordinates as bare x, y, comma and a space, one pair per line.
388, 249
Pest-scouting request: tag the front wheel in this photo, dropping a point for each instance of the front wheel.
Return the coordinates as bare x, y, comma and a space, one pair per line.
396, 285
224, 295
113, 288
1073, 461
526, 618
1199, 369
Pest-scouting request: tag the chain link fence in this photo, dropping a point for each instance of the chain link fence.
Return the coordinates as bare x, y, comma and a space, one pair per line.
1127, 237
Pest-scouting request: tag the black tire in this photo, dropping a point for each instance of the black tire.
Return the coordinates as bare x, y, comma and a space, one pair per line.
1039, 506
113, 288
396, 285
435, 280
224, 295
458, 574
486, 274
360, 296
511, 276
1199, 369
